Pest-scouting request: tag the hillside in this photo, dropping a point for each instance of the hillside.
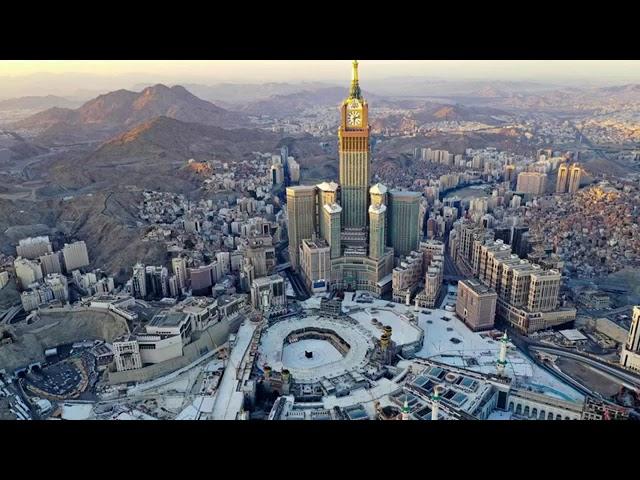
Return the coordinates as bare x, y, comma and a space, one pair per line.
118, 111
151, 155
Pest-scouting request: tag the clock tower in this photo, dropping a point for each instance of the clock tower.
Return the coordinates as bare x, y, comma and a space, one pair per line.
353, 148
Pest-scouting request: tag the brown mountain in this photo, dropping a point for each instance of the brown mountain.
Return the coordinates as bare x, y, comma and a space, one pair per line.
153, 155
118, 111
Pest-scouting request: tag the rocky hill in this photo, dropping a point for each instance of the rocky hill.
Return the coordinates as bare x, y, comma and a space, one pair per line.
118, 111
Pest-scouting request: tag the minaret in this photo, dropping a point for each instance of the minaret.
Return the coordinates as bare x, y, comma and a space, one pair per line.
502, 360
435, 402
405, 410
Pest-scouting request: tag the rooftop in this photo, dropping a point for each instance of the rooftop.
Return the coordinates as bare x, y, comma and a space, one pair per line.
168, 319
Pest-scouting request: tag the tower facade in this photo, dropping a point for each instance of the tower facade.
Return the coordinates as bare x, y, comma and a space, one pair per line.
575, 175
404, 224
353, 148
563, 176
377, 229
301, 209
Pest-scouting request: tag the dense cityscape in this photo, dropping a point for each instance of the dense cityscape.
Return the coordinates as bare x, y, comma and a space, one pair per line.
309, 256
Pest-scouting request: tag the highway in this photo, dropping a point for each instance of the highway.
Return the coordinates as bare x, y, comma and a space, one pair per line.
296, 282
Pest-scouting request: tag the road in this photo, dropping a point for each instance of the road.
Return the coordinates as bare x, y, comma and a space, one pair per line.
296, 282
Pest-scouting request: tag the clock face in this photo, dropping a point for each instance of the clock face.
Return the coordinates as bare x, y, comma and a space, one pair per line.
354, 118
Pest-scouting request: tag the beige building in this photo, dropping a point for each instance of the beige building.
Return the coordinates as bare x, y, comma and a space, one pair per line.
126, 354
269, 294
630, 355
575, 176
377, 230
406, 277
301, 210
262, 254
4, 279
327, 194
75, 255
532, 182
27, 271
50, 263
331, 218
315, 262
33, 247
563, 179
476, 304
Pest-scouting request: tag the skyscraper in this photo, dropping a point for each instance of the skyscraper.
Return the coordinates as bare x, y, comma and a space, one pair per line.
575, 175
75, 255
630, 355
532, 182
353, 148
404, 224
563, 176
301, 208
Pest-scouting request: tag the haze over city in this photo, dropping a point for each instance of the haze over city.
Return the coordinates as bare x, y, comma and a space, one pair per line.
67, 77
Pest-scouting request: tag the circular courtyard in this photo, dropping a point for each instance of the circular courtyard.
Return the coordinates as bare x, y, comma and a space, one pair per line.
315, 347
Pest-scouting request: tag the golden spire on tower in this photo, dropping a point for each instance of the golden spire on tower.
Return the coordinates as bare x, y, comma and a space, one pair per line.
355, 87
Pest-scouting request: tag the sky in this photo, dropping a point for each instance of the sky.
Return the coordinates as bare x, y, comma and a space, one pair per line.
84, 79
329, 70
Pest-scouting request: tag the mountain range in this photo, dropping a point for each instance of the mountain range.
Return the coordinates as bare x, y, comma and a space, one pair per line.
115, 112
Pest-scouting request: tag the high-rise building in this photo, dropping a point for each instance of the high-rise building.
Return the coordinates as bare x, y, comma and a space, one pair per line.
50, 263
476, 304
404, 221
27, 272
327, 195
33, 247
269, 294
301, 209
377, 230
4, 279
277, 174
315, 263
75, 255
331, 220
353, 136
630, 355
563, 177
139, 281
262, 254
294, 170
179, 267
575, 175
532, 182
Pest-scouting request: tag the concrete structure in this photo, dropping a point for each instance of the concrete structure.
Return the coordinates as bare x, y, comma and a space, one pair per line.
354, 153
126, 354
33, 247
4, 279
563, 179
171, 324
268, 294
27, 271
377, 230
315, 262
331, 217
406, 277
50, 263
532, 182
179, 267
575, 175
630, 355
476, 304
301, 211
404, 221
75, 255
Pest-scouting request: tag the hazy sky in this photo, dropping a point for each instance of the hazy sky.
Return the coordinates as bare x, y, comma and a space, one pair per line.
331, 70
